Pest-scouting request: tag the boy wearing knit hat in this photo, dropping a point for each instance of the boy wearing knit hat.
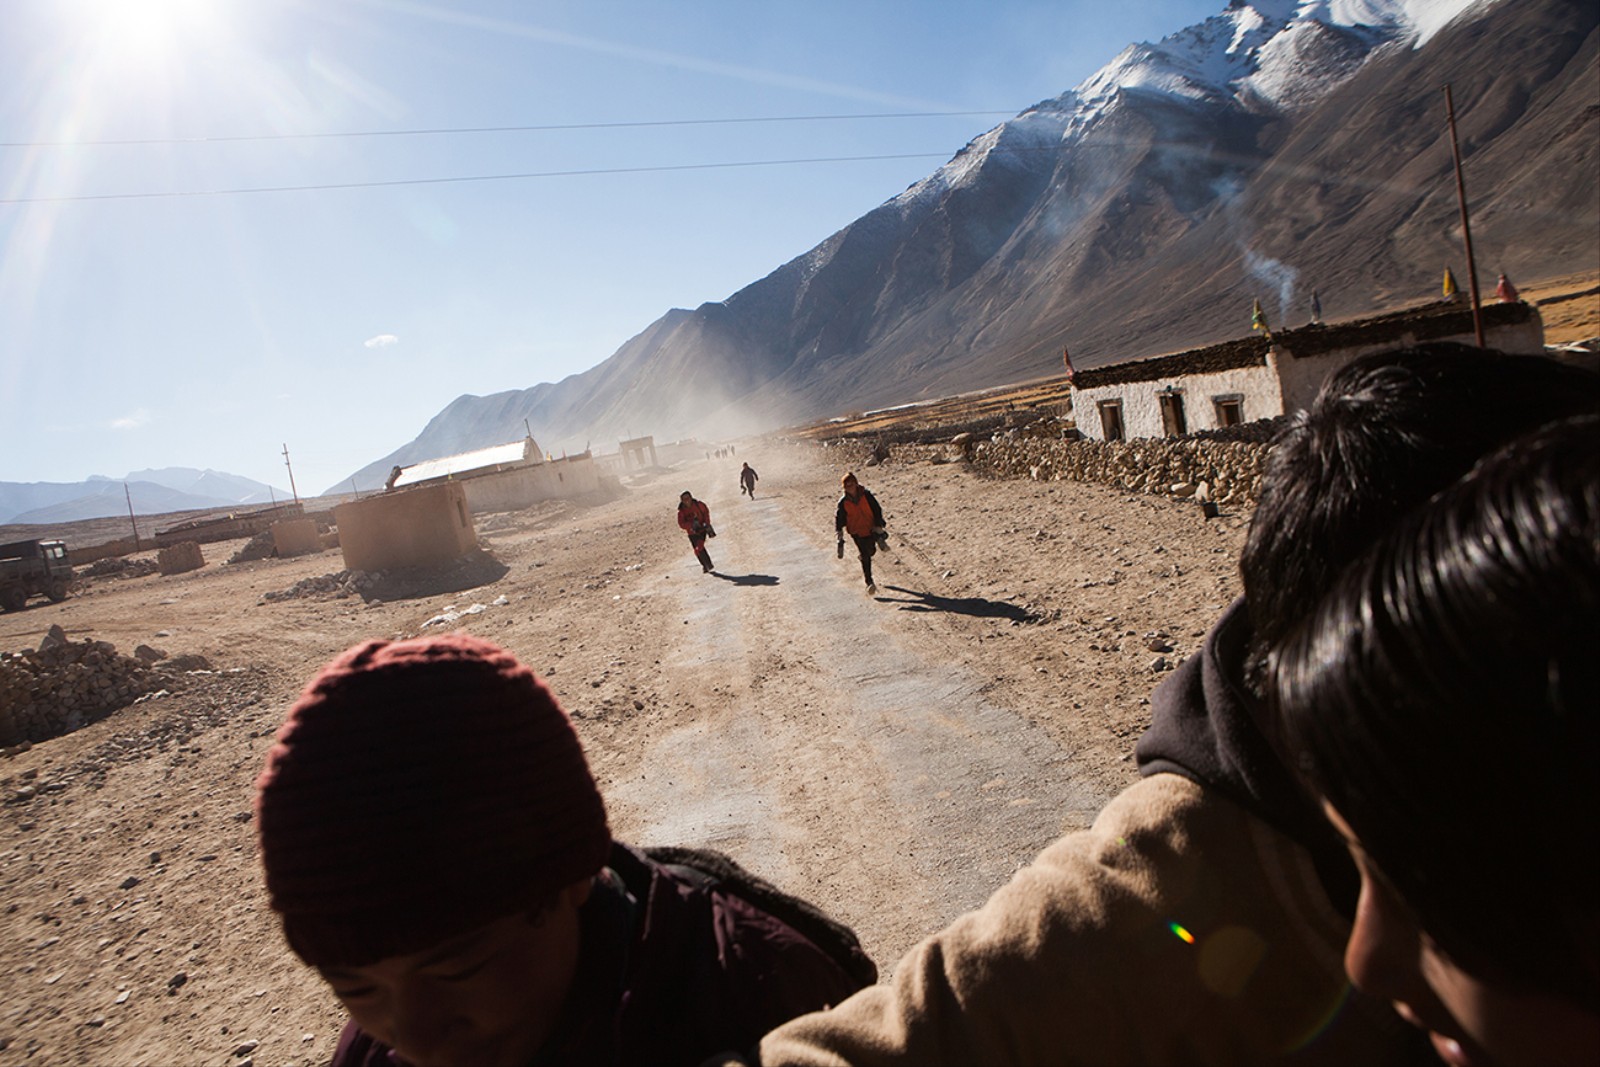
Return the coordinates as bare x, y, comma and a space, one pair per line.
436, 847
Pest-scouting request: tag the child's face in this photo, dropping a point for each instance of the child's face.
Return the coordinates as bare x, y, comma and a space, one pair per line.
488, 997
1472, 1020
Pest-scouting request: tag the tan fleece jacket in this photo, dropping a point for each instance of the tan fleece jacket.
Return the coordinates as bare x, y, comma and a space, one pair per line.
1177, 929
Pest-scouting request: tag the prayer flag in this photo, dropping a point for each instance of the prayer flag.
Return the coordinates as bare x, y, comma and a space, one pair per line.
1258, 319
1449, 283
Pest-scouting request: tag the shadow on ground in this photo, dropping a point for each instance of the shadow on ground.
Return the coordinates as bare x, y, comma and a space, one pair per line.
747, 579
976, 606
411, 583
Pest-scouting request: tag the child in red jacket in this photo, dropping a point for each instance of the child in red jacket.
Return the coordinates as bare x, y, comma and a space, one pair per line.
436, 847
694, 519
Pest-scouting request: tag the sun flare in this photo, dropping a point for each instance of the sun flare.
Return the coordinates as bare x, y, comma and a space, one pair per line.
152, 32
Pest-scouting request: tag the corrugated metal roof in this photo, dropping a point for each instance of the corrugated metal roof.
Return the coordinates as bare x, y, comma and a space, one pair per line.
491, 458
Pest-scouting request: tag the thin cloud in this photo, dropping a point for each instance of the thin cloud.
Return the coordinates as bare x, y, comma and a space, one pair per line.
383, 340
655, 57
132, 421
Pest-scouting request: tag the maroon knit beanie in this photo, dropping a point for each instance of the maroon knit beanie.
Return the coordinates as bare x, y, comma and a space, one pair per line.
418, 790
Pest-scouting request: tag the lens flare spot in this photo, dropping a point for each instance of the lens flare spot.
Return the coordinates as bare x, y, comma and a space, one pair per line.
1183, 935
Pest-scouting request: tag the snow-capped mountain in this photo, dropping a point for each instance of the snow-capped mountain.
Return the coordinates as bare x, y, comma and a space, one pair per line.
1273, 55
1276, 147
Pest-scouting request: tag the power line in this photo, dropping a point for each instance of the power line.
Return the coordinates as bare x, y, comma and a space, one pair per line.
455, 130
175, 194
1243, 161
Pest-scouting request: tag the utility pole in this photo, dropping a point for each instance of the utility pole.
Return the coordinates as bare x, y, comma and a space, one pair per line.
131, 520
1466, 230
292, 489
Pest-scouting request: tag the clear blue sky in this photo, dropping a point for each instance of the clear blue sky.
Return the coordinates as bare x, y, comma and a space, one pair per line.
209, 329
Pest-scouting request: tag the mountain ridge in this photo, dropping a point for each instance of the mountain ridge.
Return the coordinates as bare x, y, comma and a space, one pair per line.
1270, 149
151, 492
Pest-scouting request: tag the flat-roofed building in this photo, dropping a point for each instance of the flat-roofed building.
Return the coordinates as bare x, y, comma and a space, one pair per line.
1260, 377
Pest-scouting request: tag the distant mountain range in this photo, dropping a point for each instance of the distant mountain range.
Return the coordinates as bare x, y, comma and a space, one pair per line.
1279, 147
153, 492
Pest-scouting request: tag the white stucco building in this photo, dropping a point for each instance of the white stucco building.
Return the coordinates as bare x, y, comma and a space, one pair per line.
504, 477
1258, 377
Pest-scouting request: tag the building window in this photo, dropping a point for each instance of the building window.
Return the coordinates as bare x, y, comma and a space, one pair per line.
1230, 410
1111, 419
1173, 424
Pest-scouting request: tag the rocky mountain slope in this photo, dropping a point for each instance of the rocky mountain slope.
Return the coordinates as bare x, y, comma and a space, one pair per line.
1278, 147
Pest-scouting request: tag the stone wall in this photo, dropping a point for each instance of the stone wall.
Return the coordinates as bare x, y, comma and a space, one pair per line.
180, 558
121, 547
227, 527
1229, 463
295, 537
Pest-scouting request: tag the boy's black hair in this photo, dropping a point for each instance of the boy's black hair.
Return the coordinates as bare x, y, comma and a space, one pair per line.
1385, 433
1445, 699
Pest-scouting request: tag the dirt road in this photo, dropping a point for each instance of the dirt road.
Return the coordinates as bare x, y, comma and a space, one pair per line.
893, 758
816, 708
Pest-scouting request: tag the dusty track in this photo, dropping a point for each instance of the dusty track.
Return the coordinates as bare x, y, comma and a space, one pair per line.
893, 759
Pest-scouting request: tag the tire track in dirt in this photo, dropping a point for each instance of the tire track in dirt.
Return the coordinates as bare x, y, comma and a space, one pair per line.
826, 754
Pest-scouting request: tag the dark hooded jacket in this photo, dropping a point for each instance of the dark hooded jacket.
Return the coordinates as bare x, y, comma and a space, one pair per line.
1209, 727
684, 954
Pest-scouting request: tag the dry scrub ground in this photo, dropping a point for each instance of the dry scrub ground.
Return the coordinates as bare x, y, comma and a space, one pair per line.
893, 759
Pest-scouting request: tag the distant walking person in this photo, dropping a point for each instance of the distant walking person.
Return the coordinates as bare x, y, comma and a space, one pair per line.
694, 519
858, 512
747, 481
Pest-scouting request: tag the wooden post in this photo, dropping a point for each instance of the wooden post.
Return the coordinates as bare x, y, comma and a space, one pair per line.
131, 520
1466, 230
292, 489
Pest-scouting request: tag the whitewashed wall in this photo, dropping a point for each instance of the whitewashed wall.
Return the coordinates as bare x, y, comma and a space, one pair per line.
1303, 377
519, 487
1141, 410
1287, 382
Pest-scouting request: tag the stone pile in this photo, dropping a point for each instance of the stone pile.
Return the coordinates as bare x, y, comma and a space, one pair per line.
1046, 426
476, 568
65, 684
497, 522
260, 546
119, 566
343, 584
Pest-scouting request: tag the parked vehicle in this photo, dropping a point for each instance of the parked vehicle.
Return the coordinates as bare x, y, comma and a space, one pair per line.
33, 568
